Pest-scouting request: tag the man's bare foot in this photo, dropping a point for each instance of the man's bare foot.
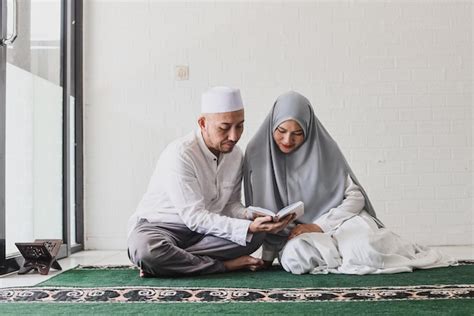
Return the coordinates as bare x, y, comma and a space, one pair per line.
267, 264
144, 274
244, 262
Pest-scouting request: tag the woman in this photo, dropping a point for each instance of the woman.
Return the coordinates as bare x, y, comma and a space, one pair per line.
293, 158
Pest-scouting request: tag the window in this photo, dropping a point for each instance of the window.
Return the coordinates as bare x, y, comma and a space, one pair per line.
40, 126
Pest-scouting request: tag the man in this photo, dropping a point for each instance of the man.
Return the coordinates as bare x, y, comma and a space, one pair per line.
191, 220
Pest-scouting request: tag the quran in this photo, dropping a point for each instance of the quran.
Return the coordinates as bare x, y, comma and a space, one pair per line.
39, 255
294, 208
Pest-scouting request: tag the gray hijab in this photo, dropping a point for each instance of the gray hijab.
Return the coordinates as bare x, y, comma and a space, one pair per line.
314, 173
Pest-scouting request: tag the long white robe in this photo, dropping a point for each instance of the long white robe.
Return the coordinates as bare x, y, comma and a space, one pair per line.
352, 243
191, 186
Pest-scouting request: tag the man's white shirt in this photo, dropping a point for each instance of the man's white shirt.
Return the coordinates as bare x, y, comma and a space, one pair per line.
191, 186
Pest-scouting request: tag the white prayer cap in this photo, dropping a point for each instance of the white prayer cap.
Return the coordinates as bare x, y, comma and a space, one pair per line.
221, 99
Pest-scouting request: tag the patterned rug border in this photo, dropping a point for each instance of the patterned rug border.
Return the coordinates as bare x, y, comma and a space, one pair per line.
106, 267
132, 267
143, 294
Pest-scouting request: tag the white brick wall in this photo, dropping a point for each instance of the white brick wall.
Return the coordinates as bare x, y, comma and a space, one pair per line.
391, 81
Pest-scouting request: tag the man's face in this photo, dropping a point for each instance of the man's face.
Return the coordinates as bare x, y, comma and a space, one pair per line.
221, 131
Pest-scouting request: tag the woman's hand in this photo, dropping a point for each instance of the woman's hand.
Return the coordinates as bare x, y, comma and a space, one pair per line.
265, 224
304, 228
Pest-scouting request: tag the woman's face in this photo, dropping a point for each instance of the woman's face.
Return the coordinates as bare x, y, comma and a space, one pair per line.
288, 136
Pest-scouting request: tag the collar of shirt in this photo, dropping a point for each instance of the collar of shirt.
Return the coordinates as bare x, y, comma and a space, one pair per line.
205, 149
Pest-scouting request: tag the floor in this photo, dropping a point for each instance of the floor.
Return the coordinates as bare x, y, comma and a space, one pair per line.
88, 257
119, 257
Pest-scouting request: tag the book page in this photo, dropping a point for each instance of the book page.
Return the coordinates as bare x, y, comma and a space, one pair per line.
260, 211
297, 208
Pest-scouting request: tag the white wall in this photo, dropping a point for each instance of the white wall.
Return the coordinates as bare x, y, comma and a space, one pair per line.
391, 81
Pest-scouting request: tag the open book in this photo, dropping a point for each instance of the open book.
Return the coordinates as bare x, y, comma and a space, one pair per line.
296, 208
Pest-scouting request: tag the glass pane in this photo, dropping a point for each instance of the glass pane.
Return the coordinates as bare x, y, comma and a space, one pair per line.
34, 125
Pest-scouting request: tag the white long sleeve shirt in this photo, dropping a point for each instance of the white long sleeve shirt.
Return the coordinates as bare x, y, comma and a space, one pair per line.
352, 204
191, 186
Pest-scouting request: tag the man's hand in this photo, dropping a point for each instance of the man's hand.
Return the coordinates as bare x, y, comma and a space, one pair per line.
304, 228
265, 224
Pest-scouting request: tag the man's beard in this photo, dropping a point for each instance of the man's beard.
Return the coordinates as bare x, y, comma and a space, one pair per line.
223, 150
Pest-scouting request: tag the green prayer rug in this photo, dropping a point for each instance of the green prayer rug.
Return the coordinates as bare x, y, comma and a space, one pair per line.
119, 289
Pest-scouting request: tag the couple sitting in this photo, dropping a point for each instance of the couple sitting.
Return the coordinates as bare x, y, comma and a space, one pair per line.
191, 219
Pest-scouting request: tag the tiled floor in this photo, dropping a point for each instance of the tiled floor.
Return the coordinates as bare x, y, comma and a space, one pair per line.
116, 257
89, 257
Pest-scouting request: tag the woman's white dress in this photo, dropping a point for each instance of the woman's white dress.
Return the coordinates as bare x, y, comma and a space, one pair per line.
352, 243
